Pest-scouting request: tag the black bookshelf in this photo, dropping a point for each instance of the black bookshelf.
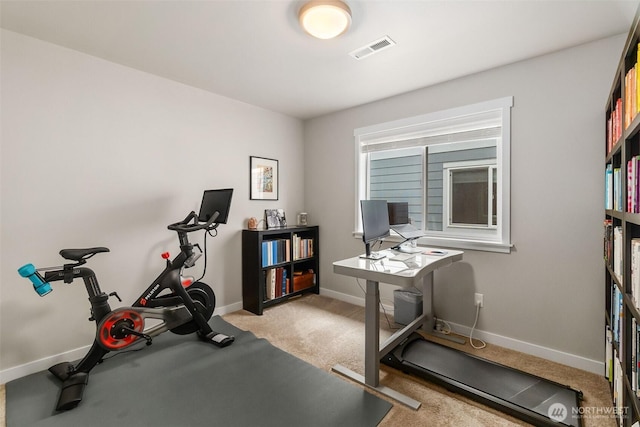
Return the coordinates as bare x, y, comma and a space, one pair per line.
622, 233
278, 264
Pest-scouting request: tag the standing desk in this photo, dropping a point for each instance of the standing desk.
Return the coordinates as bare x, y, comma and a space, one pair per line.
411, 272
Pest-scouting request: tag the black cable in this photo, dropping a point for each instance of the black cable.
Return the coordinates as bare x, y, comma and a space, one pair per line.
207, 232
381, 306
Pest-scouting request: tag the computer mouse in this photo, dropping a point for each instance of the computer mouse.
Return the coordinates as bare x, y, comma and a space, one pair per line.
435, 252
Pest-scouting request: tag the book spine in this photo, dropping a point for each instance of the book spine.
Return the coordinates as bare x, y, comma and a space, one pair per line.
629, 184
617, 252
265, 255
634, 371
617, 189
608, 349
608, 187
608, 241
283, 281
609, 135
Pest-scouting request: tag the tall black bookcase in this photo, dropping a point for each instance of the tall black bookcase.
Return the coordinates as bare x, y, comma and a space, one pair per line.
278, 264
622, 233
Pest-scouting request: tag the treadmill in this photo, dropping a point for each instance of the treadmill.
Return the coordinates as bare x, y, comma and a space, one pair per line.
528, 397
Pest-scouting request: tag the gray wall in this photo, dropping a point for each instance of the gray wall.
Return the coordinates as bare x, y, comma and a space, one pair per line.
549, 291
97, 154
89, 157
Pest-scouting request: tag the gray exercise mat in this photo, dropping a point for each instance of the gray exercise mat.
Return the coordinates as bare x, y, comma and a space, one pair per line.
181, 381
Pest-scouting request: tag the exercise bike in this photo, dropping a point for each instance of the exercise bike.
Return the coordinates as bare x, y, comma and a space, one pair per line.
180, 304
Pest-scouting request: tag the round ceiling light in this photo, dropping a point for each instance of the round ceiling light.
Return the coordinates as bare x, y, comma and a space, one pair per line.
325, 19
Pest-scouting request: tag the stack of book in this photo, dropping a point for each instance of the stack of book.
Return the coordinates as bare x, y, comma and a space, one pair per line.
275, 251
302, 247
276, 283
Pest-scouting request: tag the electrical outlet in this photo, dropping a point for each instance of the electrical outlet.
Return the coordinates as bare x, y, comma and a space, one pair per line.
479, 300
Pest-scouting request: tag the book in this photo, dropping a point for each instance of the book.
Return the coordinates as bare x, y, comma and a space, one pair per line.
276, 251
608, 187
633, 184
302, 247
617, 189
608, 373
618, 242
616, 123
635, 271
634, 369
276, 283
608, 241
618, 388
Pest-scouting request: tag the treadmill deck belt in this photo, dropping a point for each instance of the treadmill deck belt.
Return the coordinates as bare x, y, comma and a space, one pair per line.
522, 395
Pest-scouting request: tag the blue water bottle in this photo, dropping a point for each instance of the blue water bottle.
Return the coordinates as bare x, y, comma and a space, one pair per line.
40, 286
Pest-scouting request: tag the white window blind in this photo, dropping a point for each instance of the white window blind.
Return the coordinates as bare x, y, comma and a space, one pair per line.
402, 161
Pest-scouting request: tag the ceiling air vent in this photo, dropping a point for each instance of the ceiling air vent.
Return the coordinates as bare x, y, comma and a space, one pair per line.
373, 47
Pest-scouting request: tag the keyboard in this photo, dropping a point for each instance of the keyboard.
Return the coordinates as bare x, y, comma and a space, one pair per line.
402, 257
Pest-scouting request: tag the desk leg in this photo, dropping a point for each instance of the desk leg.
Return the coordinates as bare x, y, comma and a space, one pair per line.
429, 313
371, 350
427, 303
372, 335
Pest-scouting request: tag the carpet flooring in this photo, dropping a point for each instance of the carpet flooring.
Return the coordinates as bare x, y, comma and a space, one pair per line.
325, 332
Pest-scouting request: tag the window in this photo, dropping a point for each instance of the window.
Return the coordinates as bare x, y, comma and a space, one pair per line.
452, 167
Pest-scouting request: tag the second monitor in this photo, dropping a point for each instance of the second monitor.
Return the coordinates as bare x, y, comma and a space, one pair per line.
400, 223
399, 220
375, 225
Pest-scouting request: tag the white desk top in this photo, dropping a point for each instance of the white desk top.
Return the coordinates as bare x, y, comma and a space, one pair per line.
402, 273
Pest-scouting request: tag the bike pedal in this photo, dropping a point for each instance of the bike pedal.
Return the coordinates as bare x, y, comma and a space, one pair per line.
221, 340
72, 391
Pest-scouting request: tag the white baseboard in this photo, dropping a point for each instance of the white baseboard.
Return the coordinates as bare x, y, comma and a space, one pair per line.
564, 358
41, 364
221, 311
558, 356
20, 371
553, 355
351, 299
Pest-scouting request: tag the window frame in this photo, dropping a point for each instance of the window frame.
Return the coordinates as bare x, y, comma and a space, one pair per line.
473, 229
438, 126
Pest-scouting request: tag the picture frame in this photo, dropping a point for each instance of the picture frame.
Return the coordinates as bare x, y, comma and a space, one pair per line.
263, 178
275, 218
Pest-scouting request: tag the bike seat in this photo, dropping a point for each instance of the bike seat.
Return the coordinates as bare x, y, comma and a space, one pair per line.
80, 254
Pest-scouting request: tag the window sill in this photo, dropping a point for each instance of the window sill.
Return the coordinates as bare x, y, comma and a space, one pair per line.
476, 245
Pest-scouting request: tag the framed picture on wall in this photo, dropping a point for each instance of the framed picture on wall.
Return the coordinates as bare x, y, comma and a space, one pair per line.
263, 178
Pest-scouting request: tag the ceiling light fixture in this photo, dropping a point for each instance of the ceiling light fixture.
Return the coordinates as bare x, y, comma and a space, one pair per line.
325, 19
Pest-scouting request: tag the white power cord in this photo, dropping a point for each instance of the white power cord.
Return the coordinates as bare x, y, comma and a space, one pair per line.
449, 329
484, 344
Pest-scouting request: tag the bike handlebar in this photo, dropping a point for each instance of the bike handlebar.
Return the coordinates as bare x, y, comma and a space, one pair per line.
43, 287
184, 225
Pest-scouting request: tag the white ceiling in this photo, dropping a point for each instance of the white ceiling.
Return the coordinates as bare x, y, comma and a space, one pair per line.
255, 51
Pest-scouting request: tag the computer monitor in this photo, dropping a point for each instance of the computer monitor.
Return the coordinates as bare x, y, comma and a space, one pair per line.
398, 213
375, 224
215, 201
